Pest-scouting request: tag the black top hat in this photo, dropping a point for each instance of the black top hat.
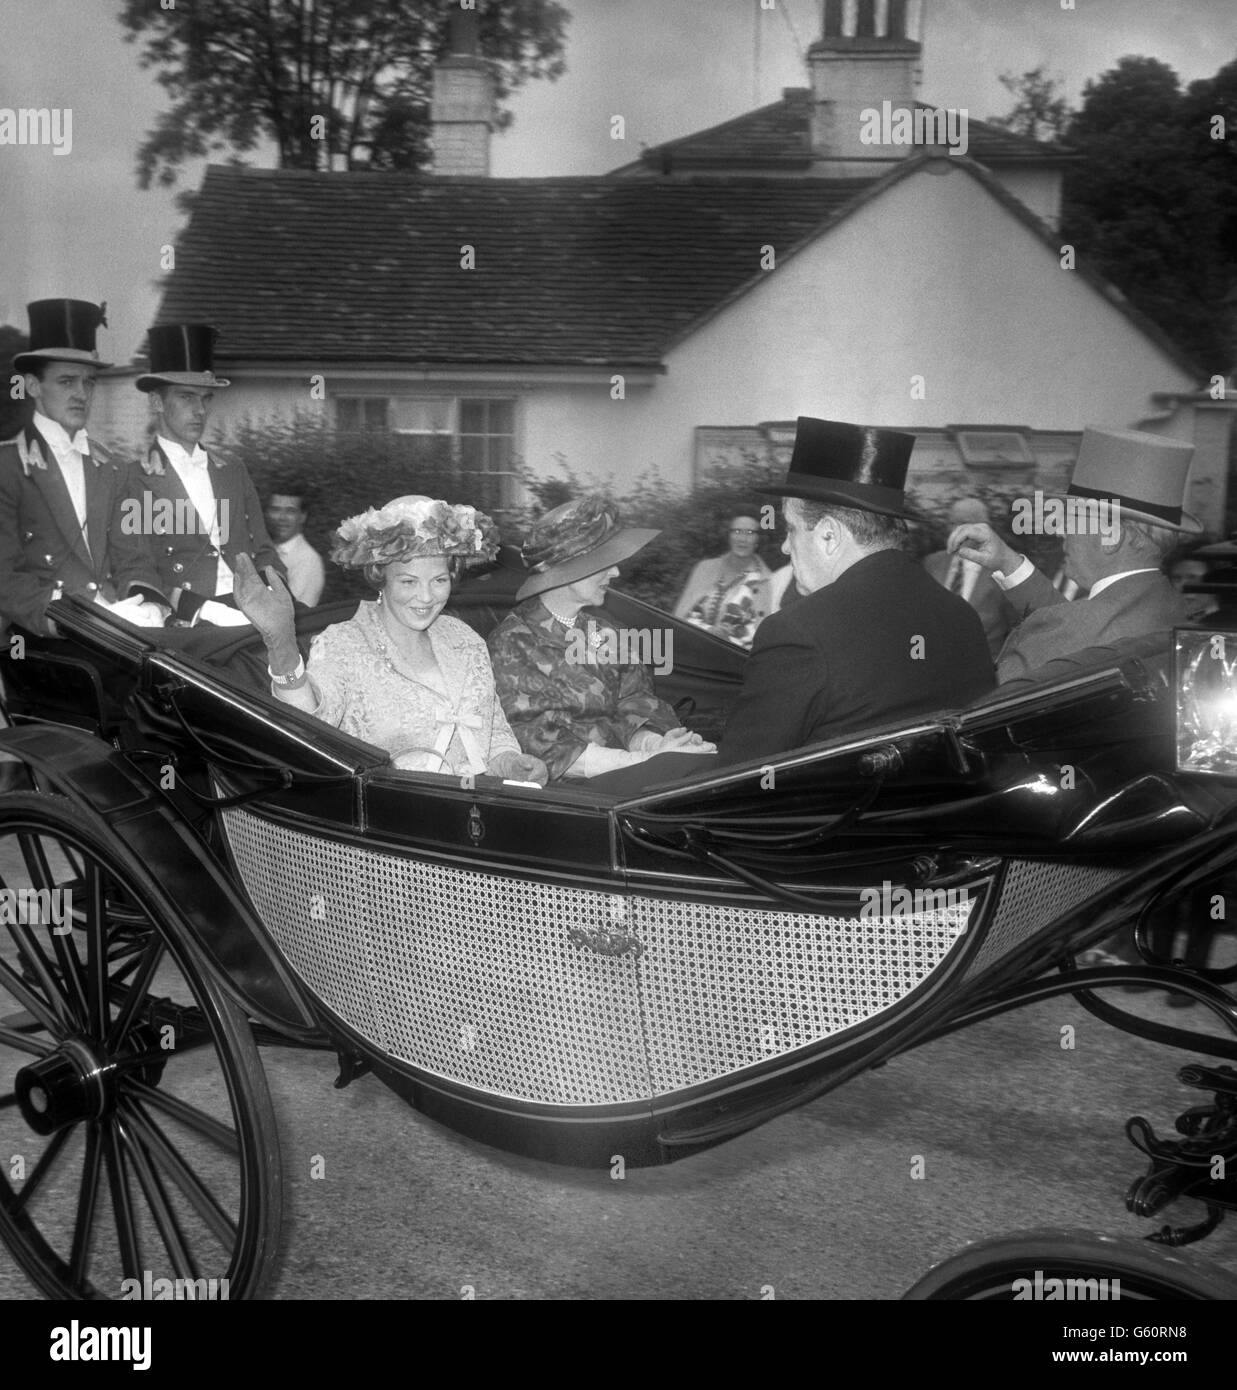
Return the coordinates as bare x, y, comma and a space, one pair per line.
62, 330
181, 354
852, 465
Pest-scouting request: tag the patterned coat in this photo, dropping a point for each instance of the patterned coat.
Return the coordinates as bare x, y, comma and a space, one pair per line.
41, 543
556, 707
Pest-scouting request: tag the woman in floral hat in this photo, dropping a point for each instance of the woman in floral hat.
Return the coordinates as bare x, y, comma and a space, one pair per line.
398, 674
568, 698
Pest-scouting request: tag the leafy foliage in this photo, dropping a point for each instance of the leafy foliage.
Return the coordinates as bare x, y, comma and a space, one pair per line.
243, 71
13, 414
349, 471
1040, 111
1152, 205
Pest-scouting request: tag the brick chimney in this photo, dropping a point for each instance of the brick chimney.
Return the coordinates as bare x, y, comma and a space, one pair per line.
864, 59
462, 104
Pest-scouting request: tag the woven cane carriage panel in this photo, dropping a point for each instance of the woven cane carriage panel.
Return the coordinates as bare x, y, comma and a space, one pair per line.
725, 988
468, 976
1035, 893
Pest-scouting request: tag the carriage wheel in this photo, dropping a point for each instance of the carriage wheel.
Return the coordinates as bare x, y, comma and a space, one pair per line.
137, 1137
989, 1270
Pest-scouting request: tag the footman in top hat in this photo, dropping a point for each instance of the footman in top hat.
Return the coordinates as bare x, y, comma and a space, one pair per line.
200, 509
876, 638
1139, 480
61, 493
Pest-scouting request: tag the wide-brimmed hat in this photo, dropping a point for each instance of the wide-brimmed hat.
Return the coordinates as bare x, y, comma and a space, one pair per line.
182, 354
414, 526
851, 465
62, 330
576, 540
1145, 473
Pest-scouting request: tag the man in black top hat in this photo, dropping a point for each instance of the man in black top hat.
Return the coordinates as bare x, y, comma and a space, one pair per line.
876, 639
200, 510
61, 493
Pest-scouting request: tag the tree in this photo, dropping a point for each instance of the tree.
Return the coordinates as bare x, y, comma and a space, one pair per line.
320, 78
1040, 111
13, 414
1150, 203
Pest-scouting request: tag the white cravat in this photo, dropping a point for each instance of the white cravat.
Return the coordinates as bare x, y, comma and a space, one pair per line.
194, 472
71, 453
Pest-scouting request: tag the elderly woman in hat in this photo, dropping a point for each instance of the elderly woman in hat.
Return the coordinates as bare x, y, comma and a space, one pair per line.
568, 696
398, 674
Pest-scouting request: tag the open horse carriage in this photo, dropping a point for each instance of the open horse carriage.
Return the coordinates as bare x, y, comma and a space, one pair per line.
192, 869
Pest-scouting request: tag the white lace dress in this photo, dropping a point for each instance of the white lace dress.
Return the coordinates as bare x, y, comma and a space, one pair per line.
361, 688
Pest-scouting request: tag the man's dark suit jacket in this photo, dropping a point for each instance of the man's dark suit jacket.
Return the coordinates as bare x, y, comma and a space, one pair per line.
188, 561
41, 541
883, 642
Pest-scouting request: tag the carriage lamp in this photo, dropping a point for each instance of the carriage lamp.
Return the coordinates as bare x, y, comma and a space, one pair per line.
1205, 675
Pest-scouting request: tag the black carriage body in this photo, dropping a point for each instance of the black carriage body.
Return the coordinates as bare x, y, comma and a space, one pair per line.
582, 977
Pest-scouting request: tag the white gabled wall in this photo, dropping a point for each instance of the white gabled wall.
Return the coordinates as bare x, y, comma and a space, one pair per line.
934, 278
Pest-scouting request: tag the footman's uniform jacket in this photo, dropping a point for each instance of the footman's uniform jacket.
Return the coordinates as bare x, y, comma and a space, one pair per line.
44, 551
189, 560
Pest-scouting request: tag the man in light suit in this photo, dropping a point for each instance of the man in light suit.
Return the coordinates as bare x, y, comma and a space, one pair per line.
61, 527
970, 581
875, 639
1140, 478
199, 510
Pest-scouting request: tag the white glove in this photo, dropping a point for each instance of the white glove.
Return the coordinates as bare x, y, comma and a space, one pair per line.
595, 760
221, 615
133, 610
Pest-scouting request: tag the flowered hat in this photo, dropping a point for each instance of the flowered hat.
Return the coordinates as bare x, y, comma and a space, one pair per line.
576, 540
413, 526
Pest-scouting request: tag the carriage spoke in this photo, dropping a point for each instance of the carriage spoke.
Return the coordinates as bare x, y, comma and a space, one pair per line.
26, 997
206, 1125
8, 1101
40, 967
146, 968
41, 1168
23, 1042
87, 1198
36, 861
96, 953
203, 1200
122, 1203
41, 876
173, 1237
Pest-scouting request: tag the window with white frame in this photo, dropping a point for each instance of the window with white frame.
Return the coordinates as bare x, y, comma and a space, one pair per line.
353, 413
481, 430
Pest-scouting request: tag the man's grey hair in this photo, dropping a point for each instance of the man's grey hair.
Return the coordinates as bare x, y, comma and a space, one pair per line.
871, 530
1143, 539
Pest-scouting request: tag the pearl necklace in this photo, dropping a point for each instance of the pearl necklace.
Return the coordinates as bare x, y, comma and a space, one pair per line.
594, 638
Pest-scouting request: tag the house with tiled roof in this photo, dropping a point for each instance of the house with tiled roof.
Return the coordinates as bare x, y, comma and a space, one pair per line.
686, 307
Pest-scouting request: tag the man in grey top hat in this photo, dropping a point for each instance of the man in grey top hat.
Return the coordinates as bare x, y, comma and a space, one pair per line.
200, 509
1121, 516
61, 494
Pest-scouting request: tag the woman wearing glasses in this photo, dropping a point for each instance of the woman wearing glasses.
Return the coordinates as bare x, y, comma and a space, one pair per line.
728, 594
